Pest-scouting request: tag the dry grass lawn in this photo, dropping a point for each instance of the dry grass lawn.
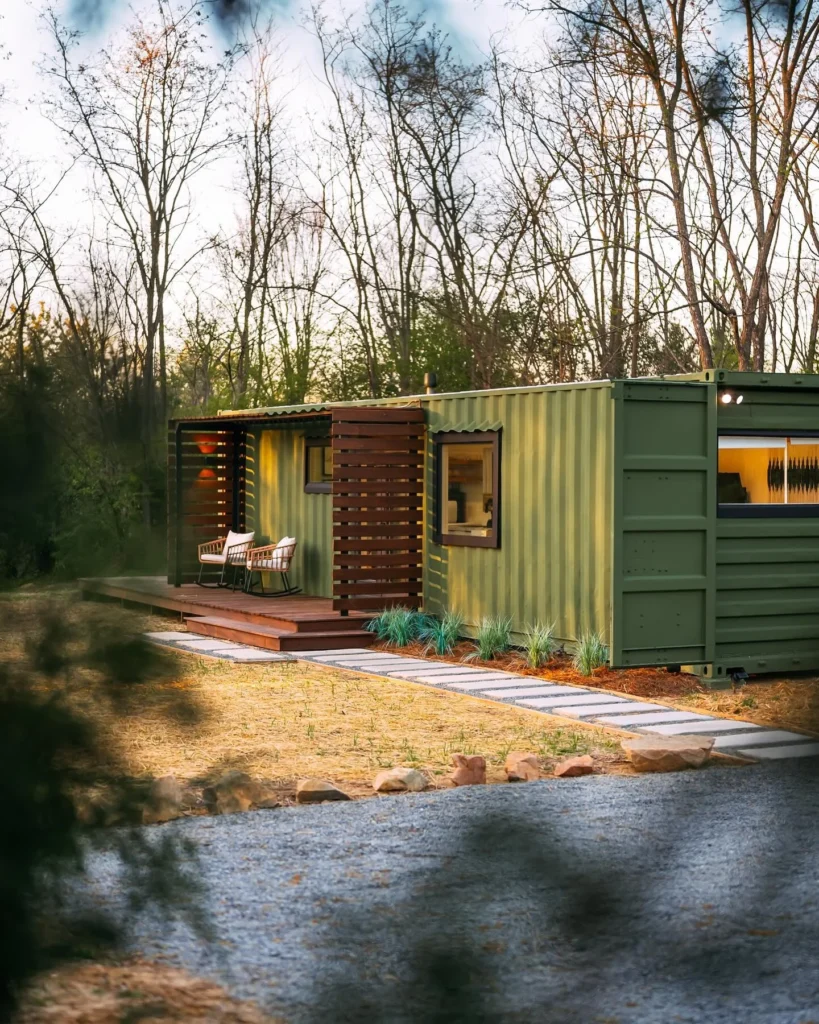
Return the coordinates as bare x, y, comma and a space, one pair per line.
282, 721
117, 993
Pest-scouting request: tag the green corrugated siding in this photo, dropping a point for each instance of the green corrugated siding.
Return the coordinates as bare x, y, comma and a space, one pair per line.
283, 509
554, 561
768, 569
768, 594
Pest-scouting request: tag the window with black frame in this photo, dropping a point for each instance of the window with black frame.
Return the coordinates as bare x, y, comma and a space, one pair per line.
467, 508
768, 474
318, 465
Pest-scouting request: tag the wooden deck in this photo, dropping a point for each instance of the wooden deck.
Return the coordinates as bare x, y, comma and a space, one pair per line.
295, 623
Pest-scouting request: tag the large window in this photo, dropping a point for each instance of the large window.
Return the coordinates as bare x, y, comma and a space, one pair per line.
318, 465
467, 470
768, 474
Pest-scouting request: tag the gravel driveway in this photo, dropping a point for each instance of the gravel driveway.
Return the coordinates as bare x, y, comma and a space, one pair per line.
686, 897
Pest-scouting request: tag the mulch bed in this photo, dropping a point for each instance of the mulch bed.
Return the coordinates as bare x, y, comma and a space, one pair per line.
637, 682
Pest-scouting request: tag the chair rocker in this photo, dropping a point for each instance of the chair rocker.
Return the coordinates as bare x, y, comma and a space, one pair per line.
228, 552
272, 558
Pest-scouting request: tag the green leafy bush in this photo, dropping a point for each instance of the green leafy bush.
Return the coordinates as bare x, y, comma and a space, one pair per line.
539, 644
494, 638
441, 635
590, 653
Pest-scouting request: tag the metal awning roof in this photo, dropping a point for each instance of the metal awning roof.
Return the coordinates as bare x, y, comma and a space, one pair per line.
245, 417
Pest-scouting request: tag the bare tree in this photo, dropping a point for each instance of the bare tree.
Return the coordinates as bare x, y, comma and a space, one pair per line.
145, 117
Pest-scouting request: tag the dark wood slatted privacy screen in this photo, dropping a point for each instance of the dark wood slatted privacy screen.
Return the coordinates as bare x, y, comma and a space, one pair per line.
378, 486
206, 497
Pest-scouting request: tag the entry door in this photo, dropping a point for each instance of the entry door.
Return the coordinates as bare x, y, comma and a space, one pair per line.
663, 586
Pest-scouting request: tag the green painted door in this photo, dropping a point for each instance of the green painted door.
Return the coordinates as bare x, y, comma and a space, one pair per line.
664, 523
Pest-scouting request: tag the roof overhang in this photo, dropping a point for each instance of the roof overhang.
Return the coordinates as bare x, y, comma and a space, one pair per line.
225, 421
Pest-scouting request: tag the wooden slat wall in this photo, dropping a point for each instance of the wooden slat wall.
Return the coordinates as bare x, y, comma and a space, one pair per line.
378, 487
212, 462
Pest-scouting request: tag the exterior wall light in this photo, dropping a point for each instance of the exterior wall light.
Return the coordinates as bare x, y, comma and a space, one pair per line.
726, 398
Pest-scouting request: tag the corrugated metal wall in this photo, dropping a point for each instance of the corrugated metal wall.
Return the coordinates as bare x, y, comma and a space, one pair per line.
767, 570
283, 509
554, 560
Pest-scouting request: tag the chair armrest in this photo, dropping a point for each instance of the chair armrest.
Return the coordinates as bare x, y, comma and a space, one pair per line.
212, 547
277, 557
256, 555
236, 554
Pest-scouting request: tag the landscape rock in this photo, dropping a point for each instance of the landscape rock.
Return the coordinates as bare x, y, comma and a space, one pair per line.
400, 780
314, 791
102, 809
192, 800
469, 770
571, 766
522, 767
233, 793
165, 801
266, 797
667, 753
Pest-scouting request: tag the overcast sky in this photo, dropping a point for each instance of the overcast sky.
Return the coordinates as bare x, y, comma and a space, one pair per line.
471, 24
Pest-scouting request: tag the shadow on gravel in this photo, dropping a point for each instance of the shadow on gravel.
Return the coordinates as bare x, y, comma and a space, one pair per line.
519, 916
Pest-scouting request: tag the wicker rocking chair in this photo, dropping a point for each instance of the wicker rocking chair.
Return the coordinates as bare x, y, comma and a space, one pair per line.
227, 552
272, 558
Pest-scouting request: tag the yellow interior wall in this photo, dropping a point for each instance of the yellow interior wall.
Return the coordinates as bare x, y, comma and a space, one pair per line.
752, 466
283, 509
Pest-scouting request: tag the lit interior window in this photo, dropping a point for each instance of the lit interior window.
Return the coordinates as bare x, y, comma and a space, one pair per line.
468, 485
318, 466
768, 471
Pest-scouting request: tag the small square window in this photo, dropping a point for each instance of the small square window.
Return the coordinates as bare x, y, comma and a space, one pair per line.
467, 507
766, 474
318, 465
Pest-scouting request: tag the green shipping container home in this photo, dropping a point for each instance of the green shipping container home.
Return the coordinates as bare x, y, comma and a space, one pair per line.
677, 516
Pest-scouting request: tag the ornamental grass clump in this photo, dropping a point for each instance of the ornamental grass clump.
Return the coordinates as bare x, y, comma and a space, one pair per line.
397, 626
590, 653
539, 644
441, 635
494, 638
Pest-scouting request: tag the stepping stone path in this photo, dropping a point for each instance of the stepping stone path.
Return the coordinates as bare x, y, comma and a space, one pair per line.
214, 648
618, 710
630, 713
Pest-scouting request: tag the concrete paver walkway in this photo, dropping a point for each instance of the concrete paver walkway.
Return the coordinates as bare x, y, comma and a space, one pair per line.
631, 713
225, 649
624, 712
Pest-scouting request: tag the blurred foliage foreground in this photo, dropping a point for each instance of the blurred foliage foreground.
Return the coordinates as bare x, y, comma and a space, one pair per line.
55, 761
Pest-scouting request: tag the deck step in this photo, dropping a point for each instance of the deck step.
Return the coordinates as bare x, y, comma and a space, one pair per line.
273, 639
296, 622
